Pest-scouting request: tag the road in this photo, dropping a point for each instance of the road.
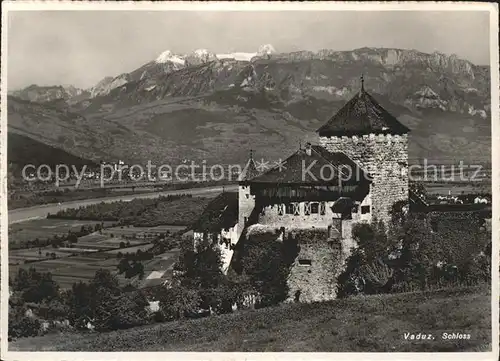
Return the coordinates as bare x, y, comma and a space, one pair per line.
38, 212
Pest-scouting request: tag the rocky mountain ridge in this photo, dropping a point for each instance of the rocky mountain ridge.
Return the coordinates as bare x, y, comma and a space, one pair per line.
47, 94
216, 109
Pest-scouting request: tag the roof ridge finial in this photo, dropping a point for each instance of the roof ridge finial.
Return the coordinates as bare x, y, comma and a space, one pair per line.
362, 82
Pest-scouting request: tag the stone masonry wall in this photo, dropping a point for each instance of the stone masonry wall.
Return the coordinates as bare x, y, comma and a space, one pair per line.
385, 158
246, 204
270, 216
316, 281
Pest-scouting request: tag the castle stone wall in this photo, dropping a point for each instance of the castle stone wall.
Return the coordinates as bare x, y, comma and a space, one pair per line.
270, 216
226, 240
246, 204
316, 281
385, 158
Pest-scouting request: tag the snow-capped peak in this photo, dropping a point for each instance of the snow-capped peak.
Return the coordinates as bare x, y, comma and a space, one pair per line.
202, 55
266, 49
168, 56
237, 56
201, 52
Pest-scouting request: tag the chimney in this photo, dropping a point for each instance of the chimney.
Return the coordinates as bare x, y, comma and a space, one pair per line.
308, 148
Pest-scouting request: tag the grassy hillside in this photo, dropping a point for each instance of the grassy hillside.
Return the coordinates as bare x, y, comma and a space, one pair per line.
222, 127
23, 150
361, 324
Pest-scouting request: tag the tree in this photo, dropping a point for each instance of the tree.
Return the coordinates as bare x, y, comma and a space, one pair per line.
378, 275
103, 297
266, 265
419, 253
73, 238
367, 268
79, 305
350, 281
223, 297
202, 267
35, 287
21, 325
123, 265
178, 302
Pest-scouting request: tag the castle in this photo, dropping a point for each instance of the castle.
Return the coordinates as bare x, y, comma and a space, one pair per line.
356, 173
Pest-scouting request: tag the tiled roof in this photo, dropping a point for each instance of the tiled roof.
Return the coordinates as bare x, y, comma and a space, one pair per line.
316, 168
362, 115
220, 213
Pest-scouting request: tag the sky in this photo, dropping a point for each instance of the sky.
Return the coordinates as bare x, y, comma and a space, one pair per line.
81, 47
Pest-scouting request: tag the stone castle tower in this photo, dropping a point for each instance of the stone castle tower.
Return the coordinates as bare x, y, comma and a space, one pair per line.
246, 201
377, 142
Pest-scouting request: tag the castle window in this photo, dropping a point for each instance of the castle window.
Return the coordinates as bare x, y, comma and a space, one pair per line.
314, 208
322, 208
296, 209
280, 209
305, 262
307, 208
289, 208
365, 209
246, 195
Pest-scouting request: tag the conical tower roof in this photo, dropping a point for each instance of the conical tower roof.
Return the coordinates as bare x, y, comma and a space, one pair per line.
250, 171
362, 115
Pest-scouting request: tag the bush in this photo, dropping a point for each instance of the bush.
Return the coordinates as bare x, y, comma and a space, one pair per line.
265, 263
24, 327
178, 302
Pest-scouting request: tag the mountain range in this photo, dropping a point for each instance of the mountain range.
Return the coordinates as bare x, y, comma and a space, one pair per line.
215, 107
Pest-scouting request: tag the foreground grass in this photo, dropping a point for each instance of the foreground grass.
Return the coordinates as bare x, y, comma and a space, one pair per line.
361, 324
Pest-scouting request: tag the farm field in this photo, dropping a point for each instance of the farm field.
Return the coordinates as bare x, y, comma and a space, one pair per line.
130, 231
142, 248
107, 240
45, 228
34, 254
90, 253
156, 271
76, 265
457, 188
362, 324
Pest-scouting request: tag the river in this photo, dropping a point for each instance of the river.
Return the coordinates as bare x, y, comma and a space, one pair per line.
38, 212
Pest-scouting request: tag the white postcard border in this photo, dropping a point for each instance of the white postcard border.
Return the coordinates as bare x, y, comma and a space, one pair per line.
252, 6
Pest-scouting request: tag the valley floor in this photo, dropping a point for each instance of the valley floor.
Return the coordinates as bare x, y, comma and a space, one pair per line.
358, 324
